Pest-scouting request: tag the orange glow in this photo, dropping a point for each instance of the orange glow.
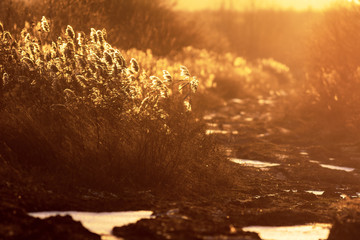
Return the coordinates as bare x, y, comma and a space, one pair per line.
241, 4
354, 1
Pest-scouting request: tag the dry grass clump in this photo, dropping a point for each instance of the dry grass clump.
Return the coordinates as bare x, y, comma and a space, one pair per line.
137, 24
347, 222
224, 75
78, 105
333, 79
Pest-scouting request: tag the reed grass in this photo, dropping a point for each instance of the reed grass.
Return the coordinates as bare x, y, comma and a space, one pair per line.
77, 105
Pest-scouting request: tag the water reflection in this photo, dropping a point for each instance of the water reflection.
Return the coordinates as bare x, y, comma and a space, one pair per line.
317, 193
254, 163
215, 131
333, 167
101, 223
302, 232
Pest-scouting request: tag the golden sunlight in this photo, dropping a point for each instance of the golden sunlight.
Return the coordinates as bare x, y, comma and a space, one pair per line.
243, 4
204, 118
354, 1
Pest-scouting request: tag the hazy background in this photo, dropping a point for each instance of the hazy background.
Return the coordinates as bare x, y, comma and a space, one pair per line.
317, 40
242, 4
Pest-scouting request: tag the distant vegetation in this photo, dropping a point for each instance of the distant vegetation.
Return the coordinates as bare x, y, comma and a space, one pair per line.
140, 24
111, 95
78, 105
278, 34
332, 84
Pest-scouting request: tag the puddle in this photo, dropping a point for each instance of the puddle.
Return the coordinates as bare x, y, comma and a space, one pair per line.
214, 125
343, 196
317, 193
333, 167
302, 232
236, 117
265, 102
304, 153
314, 161
263, 135
293, 191
209, 116
213, 131
100, 223
254, 163
237, 101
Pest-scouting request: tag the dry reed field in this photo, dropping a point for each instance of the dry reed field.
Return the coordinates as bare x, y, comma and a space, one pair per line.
213, 120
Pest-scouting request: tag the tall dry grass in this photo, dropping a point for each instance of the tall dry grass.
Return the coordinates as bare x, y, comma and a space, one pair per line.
77, 106
333, 81
140, 24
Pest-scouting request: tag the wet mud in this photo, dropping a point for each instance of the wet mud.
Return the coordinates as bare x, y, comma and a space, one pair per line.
295, 190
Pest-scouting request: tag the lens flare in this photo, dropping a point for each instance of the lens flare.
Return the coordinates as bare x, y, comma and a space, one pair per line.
354, 1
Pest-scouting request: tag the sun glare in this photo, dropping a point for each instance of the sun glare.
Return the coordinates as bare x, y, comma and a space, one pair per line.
203, 118
267, 4
354, 1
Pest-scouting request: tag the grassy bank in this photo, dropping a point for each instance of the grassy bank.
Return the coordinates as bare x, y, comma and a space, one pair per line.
76, 106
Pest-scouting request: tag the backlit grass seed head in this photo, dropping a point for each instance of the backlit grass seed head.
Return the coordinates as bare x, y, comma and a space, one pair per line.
167, 77
158, 85
104, 33
131, 79
134, 92
81, 80
81, 38
108, 58
28, 63
7, 36
44, 24
184, 71
134, 66
27, 38
59, 41
93, 36
70, 32
100, 37
69, 94
1, 28
35, 48
23, 33
183, 86
5, 79
187, 105
119, 58
156, 82
194, 83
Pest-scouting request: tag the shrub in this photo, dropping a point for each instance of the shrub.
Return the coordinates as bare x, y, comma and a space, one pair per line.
346, 225
163, 31
333, 70
224, 75
77, 104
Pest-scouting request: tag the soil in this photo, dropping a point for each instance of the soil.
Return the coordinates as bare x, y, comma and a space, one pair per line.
275, 196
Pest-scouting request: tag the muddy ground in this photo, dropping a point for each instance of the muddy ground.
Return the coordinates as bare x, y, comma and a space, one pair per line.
246, 129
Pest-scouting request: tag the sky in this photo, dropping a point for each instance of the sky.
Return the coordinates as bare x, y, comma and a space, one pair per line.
215, 4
